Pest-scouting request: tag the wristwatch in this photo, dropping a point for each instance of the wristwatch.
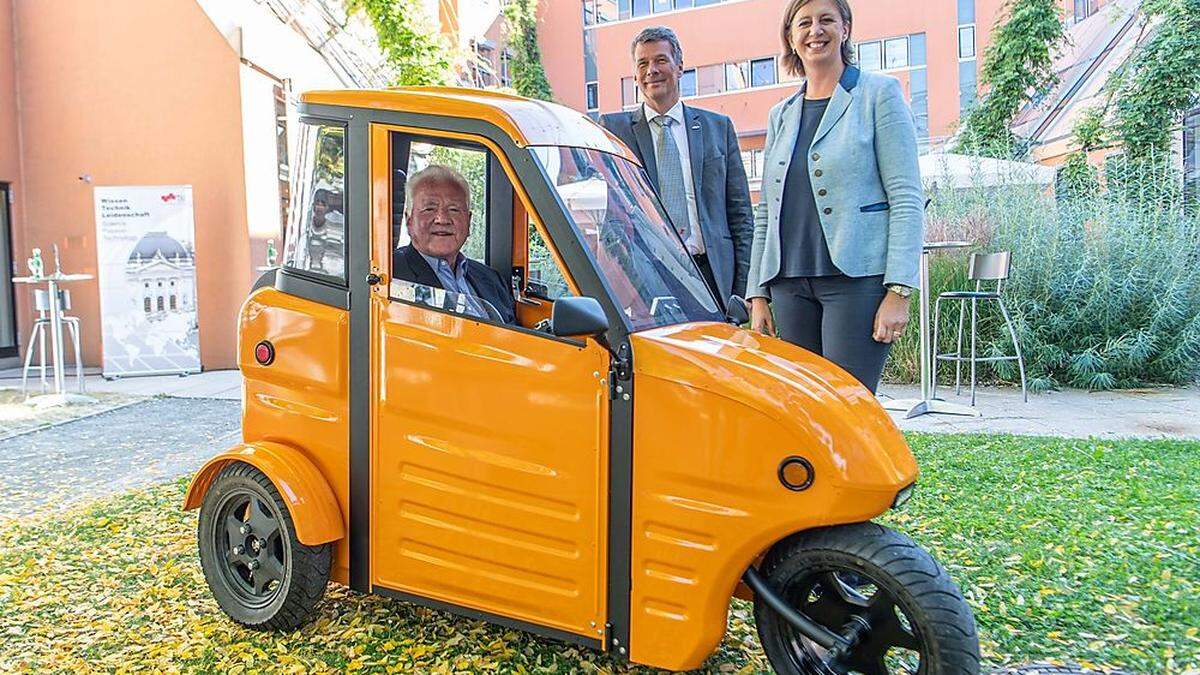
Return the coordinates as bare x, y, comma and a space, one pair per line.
900, 290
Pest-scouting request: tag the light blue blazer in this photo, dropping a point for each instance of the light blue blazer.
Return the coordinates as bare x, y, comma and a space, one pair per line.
865, 179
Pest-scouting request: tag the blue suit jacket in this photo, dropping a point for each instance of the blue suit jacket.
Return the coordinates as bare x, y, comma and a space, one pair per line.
722, 193
407, 264
865, 180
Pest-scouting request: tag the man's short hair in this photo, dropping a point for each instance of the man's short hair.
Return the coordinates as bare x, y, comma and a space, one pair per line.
659, 34
438, 173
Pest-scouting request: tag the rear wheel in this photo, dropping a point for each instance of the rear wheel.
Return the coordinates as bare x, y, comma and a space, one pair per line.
910, 616
259, 573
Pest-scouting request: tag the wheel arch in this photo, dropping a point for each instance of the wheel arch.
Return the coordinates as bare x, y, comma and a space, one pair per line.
310, 499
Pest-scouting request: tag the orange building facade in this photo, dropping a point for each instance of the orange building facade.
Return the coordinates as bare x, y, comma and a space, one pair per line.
135, 93
731, 55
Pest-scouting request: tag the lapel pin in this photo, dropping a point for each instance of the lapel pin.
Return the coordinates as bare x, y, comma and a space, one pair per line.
696, 127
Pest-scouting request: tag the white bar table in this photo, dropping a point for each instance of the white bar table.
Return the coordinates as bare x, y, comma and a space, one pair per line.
915, 407
60, 395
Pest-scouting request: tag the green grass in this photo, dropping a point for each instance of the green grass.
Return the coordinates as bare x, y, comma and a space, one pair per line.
1068, 550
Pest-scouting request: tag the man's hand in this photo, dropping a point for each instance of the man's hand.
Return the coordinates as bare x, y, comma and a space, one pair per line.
891, 318
761, 320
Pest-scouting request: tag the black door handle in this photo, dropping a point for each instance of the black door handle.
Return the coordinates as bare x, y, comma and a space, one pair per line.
373, 279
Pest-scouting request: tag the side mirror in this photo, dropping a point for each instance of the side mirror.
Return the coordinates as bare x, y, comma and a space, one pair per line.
575, 317
736, 311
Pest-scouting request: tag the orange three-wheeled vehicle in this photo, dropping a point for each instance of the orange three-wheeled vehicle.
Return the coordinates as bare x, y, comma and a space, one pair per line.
610, 467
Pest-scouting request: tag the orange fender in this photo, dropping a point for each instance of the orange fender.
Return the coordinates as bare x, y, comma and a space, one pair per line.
310, 500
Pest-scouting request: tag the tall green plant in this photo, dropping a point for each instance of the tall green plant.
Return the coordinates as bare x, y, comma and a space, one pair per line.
528, 74
412, 46
1017, 63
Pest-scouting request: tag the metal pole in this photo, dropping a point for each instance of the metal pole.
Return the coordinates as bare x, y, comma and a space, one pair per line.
924, 313
56, 337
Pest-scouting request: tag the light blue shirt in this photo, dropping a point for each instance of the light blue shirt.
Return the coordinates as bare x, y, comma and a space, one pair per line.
455, 281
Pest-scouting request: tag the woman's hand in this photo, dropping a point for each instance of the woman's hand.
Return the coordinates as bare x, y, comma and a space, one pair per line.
761, 320
891, 318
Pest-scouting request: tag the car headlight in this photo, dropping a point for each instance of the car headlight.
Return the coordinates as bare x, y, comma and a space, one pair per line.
903, 495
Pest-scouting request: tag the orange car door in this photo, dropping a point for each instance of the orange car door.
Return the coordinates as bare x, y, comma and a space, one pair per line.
489, 458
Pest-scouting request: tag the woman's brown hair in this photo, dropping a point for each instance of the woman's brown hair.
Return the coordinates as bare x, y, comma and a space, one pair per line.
790, 59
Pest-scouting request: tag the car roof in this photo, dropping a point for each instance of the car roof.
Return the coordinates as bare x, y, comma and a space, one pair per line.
526, 121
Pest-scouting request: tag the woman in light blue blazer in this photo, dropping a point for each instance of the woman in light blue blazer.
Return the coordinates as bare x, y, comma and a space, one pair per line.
839, 223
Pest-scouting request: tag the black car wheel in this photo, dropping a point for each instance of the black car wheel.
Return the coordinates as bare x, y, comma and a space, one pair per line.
259, 573
910, 616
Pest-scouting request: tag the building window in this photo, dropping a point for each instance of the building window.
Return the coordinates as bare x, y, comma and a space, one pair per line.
737, 76
505, 80
895, 53
966, 42
630, 95
146, 304
687, 83
762, 72
173, 305
753, 161
662, 6
641, 7
161, 306
1083, 9
606, 10
710, 80
870, 56
683, 4
593, 96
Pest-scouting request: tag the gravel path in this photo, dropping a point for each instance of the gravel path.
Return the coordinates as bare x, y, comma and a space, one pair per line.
113, 452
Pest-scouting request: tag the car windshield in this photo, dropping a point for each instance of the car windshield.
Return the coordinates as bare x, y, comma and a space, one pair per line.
639, 254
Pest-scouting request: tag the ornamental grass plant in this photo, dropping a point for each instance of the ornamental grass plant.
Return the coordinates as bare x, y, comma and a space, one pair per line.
1105, 283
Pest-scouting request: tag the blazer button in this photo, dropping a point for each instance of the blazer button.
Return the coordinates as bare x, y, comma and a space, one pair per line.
822, 192
818, 173
828, 210
816, 156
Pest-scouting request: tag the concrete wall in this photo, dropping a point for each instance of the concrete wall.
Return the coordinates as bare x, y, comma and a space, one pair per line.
130, 92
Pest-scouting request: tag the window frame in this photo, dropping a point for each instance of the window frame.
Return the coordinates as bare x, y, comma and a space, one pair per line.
591, 95
342, 282
774, 71
887, 42
858, 53
974, 45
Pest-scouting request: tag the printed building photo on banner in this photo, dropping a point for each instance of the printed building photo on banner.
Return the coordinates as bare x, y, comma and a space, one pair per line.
147, 273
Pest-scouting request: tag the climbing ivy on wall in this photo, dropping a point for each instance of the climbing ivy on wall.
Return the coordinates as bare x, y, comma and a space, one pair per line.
525, 64
1017, 63
1161, 82
414, 48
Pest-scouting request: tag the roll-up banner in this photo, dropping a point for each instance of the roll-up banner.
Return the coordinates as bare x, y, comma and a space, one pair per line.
145, 246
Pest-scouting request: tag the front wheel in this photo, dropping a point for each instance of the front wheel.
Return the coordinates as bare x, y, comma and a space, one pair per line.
910, 617
259, 573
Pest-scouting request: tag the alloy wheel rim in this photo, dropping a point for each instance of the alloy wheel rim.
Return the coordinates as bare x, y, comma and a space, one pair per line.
252, 559
831, 596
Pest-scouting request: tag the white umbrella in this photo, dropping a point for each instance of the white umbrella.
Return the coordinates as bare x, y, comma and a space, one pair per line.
949, 170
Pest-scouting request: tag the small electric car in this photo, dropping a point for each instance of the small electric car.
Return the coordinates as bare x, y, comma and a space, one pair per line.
609, 468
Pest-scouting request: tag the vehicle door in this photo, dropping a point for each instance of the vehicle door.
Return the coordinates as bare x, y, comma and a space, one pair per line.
489, 441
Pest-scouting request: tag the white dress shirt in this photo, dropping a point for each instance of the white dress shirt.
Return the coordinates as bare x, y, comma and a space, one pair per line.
695, 239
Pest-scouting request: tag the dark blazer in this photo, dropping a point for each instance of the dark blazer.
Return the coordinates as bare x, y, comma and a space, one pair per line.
407, 264
722, 193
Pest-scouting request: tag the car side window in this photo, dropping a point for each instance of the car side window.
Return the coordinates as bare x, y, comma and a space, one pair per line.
316, 236
545, 278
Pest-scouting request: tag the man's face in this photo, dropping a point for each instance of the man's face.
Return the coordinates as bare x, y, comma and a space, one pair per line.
657, 73
438, 220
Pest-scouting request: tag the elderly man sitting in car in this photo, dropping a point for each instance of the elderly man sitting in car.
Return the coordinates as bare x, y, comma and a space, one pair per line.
437, 209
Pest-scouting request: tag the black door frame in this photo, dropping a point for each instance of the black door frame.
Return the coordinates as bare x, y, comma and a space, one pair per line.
6, 232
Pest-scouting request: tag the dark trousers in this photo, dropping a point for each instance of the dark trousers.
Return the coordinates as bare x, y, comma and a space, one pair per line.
834, 317
710, 278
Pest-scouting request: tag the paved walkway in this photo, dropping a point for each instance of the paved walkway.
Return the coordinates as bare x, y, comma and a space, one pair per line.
1141, 413
139, 444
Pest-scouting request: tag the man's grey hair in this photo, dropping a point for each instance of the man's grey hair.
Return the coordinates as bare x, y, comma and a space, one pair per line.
438, 173
659, 34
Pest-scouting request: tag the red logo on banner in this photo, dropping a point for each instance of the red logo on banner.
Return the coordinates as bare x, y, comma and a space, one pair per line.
169, 197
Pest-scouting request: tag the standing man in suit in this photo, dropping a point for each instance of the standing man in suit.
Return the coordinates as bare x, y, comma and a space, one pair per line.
694, 162
437, 208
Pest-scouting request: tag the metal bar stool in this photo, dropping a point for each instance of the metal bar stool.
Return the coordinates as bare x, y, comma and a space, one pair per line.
981, 268
41, 303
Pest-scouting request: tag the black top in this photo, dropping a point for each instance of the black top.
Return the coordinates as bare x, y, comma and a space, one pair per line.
803, 248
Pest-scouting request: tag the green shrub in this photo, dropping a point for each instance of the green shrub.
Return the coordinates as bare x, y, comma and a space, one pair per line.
1105, 286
